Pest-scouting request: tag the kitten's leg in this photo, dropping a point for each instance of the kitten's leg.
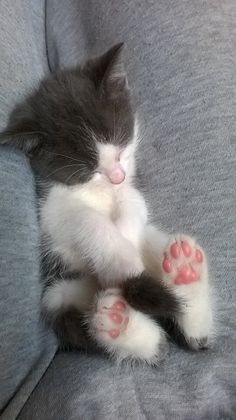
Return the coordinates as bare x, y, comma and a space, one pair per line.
183, 267
112, 325
64, 304
124, 332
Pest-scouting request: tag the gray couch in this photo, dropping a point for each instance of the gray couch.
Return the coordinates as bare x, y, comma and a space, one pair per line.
181, 62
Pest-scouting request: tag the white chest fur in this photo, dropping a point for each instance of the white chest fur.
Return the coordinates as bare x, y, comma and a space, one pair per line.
71, 211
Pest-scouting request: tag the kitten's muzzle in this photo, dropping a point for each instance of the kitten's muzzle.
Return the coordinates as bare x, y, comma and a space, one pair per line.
115, 174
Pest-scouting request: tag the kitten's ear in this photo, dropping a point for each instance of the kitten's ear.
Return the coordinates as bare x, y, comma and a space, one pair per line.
22, 131
108, 72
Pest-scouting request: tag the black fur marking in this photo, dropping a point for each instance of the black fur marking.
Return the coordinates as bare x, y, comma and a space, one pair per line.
151, 297
67, 323
70, 329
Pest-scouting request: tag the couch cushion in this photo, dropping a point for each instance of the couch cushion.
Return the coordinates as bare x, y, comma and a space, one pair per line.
25, 347
181, 62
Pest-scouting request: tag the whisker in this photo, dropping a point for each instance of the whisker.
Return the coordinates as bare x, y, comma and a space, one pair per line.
59, 154
114, 126
62, 167
69, 177
26, 133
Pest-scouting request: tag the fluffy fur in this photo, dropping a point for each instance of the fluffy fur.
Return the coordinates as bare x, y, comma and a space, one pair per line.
102, 263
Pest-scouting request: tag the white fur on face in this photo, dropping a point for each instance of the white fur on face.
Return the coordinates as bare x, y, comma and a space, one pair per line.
111, 157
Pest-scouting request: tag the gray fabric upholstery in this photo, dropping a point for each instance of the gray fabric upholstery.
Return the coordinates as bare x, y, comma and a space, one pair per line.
25, 348
181, 63
184, 387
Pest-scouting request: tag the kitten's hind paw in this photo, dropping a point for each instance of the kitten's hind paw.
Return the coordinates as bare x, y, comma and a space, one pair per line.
183, 262
124, 332
112, 316
185, 271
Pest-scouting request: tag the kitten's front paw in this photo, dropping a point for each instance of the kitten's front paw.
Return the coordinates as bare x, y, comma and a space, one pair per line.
124, 332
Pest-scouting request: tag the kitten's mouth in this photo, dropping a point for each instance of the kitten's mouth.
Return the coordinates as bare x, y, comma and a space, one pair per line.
116, 174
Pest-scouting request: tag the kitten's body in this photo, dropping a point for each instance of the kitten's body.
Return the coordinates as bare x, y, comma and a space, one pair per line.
108, 273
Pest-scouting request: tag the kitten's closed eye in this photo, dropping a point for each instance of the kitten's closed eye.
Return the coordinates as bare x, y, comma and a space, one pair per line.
124, 155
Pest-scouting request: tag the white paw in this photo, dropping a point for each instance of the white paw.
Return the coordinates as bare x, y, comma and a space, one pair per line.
124, 332
185, 269
184, 262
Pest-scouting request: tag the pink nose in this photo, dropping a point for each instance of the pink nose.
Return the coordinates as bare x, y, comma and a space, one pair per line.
116, 175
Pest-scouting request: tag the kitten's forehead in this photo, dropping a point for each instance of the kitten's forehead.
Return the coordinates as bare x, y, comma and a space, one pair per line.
108, 153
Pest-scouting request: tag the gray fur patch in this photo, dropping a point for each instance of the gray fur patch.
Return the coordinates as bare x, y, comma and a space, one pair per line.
59, 125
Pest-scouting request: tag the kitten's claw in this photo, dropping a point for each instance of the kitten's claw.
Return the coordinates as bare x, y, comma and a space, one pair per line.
198, 344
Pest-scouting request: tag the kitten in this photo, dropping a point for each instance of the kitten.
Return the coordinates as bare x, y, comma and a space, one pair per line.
108, 273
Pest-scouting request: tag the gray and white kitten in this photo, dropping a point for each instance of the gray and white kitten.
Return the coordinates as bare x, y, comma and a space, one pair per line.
108, 273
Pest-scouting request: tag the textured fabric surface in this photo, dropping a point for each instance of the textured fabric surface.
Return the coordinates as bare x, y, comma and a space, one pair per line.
25, 348
184, 387
181, 63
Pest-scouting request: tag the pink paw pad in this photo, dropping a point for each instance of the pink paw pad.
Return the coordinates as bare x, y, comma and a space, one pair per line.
175, 251
186, 248
182, 261
167, 266
119, 306
186, 275
114, 333
114, 319
199, 256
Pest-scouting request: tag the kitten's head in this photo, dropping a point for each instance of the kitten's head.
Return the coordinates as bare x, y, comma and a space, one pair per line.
79, 123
